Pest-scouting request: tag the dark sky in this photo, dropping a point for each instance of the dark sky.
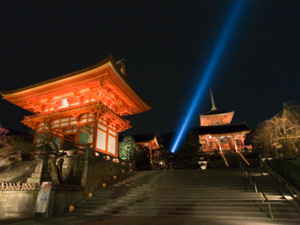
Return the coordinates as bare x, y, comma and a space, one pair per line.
166, 46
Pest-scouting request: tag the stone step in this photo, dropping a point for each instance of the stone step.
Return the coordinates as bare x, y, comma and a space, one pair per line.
202, 208
200, 183
226, 218
180, 190
194, 188
185, 200
252, 208
219, 193
180, 205
207, 185
235, 203
186, 211
189, 192
200, 198
212, 184
188, 200
288, 216
193, 213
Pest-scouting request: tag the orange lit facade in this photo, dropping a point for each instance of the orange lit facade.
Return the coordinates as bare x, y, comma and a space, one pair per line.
216, 132
149, 141
84, 107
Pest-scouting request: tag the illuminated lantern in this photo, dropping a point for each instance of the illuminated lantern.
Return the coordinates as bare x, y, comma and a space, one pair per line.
71, 208
115, 160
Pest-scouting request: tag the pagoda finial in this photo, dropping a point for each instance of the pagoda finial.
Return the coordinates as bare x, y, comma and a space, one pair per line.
213, 106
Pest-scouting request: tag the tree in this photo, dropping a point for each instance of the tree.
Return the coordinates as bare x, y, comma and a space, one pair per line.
141, 157
14, 147
281, 133
54, 155
190, 147
22, 143
127, 148
131, 151
3, 137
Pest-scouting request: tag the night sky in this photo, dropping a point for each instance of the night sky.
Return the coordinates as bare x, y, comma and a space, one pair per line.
166, 46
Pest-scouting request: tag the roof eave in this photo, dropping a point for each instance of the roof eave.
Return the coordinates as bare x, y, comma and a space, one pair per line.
55, 79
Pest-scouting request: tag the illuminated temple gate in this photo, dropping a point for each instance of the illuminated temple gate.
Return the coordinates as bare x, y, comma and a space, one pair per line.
216, 132
84, 107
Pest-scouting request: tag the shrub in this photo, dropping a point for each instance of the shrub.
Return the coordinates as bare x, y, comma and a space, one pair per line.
289, 169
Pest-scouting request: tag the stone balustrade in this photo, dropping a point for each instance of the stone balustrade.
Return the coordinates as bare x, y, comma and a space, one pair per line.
19, 186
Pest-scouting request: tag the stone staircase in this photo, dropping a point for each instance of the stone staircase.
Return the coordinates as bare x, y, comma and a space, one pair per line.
233, 159
223, 194
276, 194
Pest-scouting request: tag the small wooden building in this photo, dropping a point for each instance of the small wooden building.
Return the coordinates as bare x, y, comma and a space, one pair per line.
149, 141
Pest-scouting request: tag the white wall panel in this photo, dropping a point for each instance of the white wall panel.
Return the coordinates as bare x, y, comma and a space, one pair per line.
112, 132
73, 122
101, 140
112, 145
102, 127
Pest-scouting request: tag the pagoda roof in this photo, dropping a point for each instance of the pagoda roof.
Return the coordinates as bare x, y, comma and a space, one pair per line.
215, 112
106, 73
224, 129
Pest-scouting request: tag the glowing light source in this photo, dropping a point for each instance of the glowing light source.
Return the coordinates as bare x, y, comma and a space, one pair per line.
208, 72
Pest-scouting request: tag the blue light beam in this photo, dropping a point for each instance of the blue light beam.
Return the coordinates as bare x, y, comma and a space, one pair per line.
215, 57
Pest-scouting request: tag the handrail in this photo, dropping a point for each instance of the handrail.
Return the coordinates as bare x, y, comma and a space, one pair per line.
243, 157
225, 160
257, 188
294, 192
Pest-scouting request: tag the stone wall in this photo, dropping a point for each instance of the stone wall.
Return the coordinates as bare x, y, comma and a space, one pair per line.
101, 170
21, 204
17, 204
61, 201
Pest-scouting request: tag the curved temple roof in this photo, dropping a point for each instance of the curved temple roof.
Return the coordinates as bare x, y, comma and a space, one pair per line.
215, 112
104, 81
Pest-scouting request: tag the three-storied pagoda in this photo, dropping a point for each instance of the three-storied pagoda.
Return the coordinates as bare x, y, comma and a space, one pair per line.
217, 133
84, 107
